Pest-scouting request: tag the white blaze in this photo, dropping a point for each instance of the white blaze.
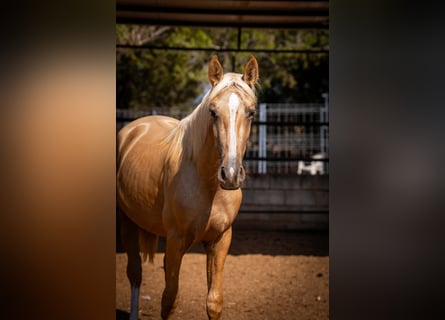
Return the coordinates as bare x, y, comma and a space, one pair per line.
233, 109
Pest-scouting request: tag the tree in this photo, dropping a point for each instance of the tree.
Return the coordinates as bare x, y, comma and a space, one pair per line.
174, 78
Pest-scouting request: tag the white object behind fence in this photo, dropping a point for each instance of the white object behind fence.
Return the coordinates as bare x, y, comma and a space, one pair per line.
294, 132
313, 167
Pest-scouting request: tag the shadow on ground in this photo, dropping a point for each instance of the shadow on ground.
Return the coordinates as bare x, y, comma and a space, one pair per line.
308, 243
122, 315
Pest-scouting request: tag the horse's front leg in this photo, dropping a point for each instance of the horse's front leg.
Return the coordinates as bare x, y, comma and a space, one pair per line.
175, 249
130, 242
216, 256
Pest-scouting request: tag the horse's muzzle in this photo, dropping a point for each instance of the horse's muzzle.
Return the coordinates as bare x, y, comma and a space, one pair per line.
231, 178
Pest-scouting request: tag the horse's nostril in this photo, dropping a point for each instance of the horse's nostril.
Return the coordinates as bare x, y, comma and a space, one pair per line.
223, 173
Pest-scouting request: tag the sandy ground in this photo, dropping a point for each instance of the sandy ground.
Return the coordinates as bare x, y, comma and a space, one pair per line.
267, 275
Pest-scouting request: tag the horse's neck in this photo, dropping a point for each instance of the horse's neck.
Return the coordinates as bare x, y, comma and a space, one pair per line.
203, 146
208, 160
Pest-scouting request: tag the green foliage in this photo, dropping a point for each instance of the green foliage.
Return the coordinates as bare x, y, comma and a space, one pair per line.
174, 78
291, 77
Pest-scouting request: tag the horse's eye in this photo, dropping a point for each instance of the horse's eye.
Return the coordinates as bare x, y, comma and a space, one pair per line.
251, 114
213, 114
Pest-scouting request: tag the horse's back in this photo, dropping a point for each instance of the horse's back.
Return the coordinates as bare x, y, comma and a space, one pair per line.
157, 126
141, 158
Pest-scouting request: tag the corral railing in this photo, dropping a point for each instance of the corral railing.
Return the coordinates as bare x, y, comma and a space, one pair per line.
124, 116
288, 139
285, 138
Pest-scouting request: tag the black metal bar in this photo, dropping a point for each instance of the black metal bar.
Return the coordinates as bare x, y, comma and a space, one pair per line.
248, 11
274, 211
315, 25
150, 47
290, 123
255, 123
289, 159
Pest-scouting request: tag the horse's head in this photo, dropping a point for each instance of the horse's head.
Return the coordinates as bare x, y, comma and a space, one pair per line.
232, 105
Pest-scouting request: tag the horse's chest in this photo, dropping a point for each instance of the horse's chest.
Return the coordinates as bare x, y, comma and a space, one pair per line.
200, 209
219, 221
223, 213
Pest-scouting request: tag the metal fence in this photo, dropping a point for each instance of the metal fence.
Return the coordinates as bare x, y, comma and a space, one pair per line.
289, 138
285, 138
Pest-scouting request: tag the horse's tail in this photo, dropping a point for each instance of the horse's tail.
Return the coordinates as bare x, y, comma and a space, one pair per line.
148, 244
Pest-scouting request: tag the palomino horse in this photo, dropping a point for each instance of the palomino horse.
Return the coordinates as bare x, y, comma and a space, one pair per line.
181, 180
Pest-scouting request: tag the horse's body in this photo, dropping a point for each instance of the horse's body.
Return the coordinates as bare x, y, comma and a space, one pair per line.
181, 180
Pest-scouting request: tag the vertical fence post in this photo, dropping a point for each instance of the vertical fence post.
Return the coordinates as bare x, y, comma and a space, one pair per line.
324, 130
323, 118
262, 137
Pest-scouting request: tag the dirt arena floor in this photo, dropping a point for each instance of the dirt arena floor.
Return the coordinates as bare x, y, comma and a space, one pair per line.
268, 275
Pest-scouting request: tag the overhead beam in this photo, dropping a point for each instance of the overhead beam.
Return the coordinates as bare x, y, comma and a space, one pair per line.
258, 14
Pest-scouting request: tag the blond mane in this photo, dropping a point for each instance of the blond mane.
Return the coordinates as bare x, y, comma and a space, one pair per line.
192, 130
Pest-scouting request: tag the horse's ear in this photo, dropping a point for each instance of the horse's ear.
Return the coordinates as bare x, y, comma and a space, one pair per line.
250, 75
215, 71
